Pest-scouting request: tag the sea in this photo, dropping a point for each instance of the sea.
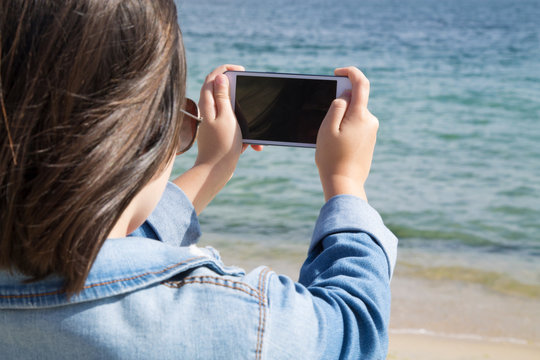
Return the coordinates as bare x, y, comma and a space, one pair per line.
456, 87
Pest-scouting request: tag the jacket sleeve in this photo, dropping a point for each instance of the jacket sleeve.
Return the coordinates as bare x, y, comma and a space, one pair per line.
173, 221
340, 307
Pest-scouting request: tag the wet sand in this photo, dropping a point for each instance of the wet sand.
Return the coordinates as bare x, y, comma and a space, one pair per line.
427, 347
431, 319
456, 320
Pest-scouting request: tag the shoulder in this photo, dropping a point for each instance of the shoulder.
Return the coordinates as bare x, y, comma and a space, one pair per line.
226, 310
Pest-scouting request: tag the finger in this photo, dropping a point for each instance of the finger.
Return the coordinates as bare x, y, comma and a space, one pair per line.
221, 69
221, 96
360, 86
206, 100
254, 147
334, 116
231, 67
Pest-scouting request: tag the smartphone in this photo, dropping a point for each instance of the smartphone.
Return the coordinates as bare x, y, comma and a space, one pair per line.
282, 109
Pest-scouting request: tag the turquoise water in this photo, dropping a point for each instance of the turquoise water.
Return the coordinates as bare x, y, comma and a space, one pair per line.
456, 87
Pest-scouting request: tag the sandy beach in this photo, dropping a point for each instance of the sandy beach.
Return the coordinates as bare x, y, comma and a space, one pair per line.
431, 319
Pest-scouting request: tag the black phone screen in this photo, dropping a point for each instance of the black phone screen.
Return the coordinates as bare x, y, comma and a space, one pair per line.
282, 109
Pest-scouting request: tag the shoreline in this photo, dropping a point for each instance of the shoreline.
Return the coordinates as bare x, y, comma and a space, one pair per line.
429, 347
440, 319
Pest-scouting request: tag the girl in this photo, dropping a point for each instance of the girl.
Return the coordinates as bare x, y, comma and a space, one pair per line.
97, 250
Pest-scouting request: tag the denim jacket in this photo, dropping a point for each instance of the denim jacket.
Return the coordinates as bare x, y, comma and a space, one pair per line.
169, 299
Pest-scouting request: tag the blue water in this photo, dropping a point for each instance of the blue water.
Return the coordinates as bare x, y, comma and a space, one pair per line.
456, 87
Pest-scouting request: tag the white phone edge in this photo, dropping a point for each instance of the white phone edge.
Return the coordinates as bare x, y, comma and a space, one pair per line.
343, 84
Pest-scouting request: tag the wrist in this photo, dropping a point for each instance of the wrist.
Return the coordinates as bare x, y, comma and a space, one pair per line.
221, 167
339, 185
215, 175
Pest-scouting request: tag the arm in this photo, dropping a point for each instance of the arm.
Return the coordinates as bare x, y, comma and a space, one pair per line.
346, 140
219, 143
341, 306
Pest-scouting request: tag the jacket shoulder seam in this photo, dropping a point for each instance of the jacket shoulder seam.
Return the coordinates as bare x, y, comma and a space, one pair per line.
214, 280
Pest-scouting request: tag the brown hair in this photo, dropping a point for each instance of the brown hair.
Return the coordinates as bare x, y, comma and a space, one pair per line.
90, 92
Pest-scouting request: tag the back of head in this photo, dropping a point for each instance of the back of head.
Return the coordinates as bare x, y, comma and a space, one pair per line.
90, 92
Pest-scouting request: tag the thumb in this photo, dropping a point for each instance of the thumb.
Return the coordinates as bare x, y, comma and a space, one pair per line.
221, 94
337, 111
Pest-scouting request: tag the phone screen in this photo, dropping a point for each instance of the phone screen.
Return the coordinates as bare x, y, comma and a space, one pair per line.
282, 109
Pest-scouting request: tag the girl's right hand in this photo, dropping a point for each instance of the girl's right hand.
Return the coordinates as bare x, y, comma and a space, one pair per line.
346, 140
219, 142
